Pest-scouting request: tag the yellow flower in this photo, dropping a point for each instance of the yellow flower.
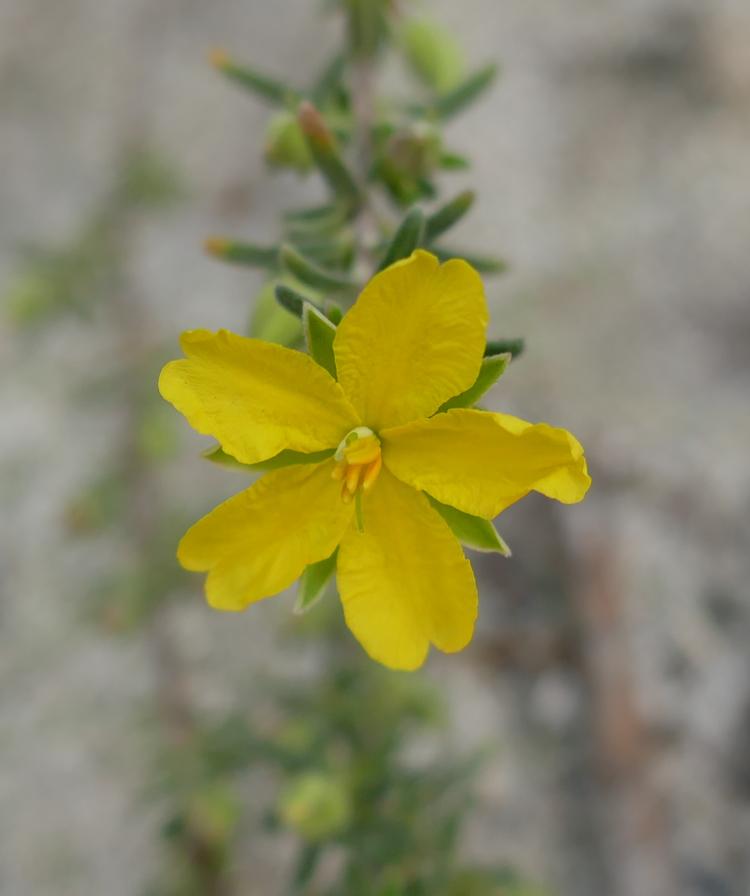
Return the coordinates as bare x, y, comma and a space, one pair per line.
413, 340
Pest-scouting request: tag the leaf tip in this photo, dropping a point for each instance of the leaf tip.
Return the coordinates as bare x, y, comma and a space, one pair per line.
219, 58
216, 246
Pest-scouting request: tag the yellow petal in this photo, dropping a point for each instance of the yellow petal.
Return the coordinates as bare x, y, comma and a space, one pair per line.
482, 463
258, 542
404, 582
414, 339
256, 398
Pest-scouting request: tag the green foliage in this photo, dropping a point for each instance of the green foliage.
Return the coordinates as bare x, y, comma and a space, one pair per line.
406, 239
315, 130
319, 336
311, 274
267, 88
448, 215
313, 583
472, 531
81, 276
464, 94
512, 347
493, 367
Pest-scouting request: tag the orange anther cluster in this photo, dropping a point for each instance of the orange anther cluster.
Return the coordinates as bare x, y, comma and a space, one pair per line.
359, 462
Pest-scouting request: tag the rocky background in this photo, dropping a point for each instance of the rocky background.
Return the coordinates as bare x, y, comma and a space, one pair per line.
611, 669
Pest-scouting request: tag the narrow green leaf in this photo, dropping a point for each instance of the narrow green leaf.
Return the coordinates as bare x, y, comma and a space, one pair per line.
367, 26
263, 86
313, 214
472, 531
337, 253
242, 253
311, 274
465, 93
452, 161
485, 264
319, 334
448, 215
321, 223
405, 240
493, 367
330, 79
313, 582
292, 300
325, 152
285, 458
513, 347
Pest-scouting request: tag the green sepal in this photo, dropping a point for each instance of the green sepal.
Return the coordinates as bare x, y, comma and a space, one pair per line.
512, 347
313, 582
484, 264
319, 334
456, 100
310, 273
448, 215
285, 458
492, 368
243, 253
473, 531
291, 300
405, 240
263, 86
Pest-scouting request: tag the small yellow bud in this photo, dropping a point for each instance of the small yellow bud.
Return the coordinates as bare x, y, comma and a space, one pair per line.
219, 58
215, 245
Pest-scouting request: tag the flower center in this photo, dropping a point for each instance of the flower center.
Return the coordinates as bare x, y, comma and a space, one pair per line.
358, 462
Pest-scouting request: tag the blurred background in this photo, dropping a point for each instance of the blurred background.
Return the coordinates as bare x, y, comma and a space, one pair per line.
594, 739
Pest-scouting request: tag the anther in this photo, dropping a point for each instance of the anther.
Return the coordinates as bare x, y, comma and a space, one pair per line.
352, 478
372, 473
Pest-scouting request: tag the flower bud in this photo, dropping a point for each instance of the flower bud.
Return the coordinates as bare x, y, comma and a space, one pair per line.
285, 144
433, 54
315, 805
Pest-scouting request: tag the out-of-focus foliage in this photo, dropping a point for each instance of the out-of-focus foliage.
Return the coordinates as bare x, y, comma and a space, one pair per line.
78, 277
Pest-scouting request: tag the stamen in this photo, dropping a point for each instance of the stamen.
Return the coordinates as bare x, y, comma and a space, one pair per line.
372, 473
352, 478
358, 466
